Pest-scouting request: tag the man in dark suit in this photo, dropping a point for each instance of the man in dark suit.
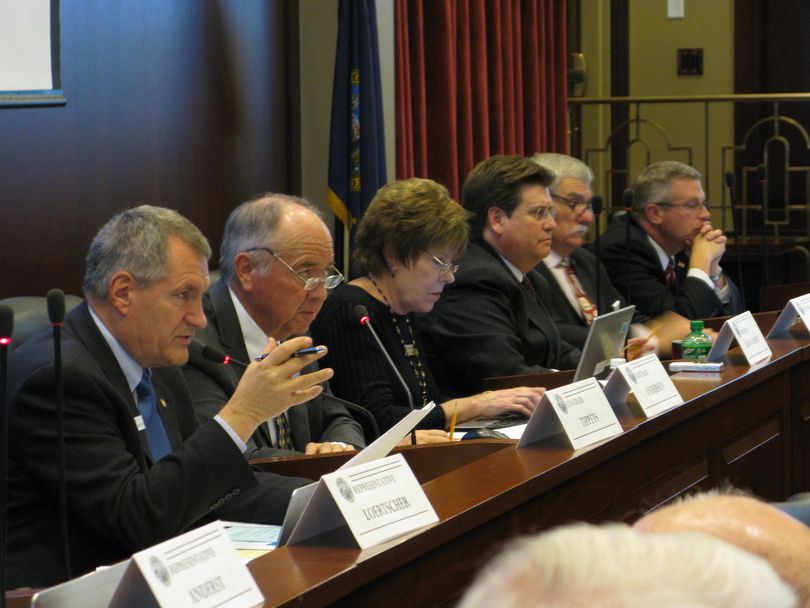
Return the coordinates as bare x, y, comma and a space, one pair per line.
490, 321
138, 468
276, 258
673, 251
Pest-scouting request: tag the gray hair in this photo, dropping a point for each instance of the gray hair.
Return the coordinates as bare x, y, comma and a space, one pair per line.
137, 241
254, 224
654, 183
564, 166
615, 566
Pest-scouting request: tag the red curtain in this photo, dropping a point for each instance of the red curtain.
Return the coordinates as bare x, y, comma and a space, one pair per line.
476, 78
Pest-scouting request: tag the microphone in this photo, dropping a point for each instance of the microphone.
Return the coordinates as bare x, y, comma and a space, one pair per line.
215, 355
56, 315
731, 185
6, 329
762, 177
596, 206
628, 199
361, 314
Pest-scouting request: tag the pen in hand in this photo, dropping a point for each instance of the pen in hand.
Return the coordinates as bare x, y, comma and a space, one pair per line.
312, 350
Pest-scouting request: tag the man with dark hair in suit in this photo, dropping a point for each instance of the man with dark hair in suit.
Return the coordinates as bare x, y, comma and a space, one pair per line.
674, 251
276, 264
490, 320
571, 270
139, 470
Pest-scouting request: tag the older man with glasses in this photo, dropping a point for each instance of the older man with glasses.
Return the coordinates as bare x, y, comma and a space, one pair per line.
571, 270
671, 259
276, 262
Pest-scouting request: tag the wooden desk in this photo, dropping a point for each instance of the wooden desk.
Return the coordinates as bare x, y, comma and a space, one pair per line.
747, 426
740, 426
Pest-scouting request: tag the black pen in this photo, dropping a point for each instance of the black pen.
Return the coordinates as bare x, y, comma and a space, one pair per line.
312, 350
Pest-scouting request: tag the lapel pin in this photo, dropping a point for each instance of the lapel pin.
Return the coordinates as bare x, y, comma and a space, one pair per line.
163, 402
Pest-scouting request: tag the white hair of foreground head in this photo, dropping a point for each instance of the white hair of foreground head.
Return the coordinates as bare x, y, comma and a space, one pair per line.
614, 566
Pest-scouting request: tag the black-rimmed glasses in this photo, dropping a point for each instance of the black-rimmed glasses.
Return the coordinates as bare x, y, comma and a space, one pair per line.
577, 206
330, 279
693, 206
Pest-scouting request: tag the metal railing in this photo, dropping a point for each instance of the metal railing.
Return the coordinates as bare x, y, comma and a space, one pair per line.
717, 134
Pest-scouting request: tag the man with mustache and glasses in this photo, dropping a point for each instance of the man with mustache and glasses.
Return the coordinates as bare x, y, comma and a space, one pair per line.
569, 268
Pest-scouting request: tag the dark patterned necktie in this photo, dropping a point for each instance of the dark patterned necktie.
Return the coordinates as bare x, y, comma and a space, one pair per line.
283, 439
527, 285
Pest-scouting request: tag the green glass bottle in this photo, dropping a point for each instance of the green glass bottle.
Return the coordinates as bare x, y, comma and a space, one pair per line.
696, 344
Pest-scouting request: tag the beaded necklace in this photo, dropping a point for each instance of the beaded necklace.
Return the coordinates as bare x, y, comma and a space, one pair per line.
410, 349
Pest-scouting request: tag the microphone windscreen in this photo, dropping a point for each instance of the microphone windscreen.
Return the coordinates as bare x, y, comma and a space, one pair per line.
360, 313
6, 323
628, 198
761, 172
596, 204
730, 179
213, 354
56, 305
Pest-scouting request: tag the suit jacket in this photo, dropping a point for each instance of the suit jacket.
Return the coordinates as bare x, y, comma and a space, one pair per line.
486, 324
212, 384
648, 288
119, 502
569, 322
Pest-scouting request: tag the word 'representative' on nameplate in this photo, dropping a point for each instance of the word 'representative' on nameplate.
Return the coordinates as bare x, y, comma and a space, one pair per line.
580, 411
200, 568
647, 379
744, 328
378, 501
795, 308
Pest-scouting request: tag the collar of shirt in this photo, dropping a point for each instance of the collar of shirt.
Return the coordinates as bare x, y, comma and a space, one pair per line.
553, 259
133, 371
255, 339
513, 269
663, 258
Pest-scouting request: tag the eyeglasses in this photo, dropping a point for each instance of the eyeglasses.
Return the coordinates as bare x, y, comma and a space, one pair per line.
445, 267
543, 213
330, 278
577, 206
693, 206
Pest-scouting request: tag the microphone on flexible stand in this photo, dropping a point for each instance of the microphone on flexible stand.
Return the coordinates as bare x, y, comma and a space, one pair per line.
6, 328
762, 176
56, 315
596, 207
730, 184
361, 314
628, 199
216, 355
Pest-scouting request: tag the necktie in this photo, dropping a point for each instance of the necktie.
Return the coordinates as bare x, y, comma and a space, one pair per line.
670, 278
586, 306
527, 285
156, 436
283, 438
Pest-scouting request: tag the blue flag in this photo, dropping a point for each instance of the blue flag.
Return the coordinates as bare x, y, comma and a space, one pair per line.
357, 139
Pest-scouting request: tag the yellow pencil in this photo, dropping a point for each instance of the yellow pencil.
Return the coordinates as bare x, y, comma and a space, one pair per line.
453, 420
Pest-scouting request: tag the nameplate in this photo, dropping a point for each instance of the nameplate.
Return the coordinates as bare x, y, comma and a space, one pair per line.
744, 328
378, 501
796, 308
580, 411
200, 568
647, 379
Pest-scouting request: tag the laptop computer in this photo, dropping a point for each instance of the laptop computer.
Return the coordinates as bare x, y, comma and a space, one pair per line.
604, 342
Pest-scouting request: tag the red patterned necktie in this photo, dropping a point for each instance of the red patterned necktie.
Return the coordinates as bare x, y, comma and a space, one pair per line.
670, 278
527, 284
586, 305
